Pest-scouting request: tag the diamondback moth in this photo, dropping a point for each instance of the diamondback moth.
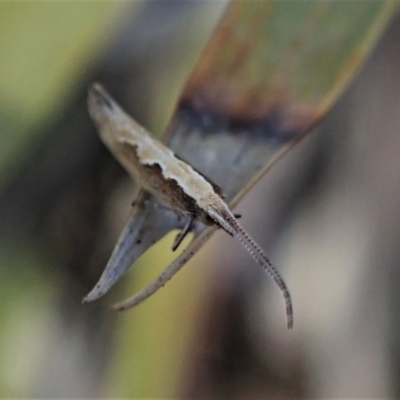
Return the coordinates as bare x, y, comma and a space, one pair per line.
185, 190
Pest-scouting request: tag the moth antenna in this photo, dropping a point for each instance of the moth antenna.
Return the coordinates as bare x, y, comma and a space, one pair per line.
258, 255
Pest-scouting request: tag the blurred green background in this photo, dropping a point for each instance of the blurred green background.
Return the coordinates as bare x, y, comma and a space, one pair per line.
326, 214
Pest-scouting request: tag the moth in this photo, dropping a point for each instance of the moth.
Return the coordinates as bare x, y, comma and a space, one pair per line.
180, 186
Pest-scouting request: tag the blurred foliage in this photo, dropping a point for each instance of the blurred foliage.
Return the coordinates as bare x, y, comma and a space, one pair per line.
297, 55
50, 52
45, 51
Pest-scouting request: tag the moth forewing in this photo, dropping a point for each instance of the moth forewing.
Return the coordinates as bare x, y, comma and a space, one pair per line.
151, 164
154, 166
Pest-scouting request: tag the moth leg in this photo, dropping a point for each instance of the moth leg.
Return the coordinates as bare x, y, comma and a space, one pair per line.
139, 197
181, 235
139, 201
237, 216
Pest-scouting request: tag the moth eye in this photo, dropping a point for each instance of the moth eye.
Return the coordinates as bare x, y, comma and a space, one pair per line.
206, 219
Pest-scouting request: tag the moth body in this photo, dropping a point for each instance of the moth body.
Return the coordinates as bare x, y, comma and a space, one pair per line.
154, 166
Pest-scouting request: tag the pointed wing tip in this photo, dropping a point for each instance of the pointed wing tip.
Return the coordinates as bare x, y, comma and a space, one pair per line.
87, 299
95, 294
